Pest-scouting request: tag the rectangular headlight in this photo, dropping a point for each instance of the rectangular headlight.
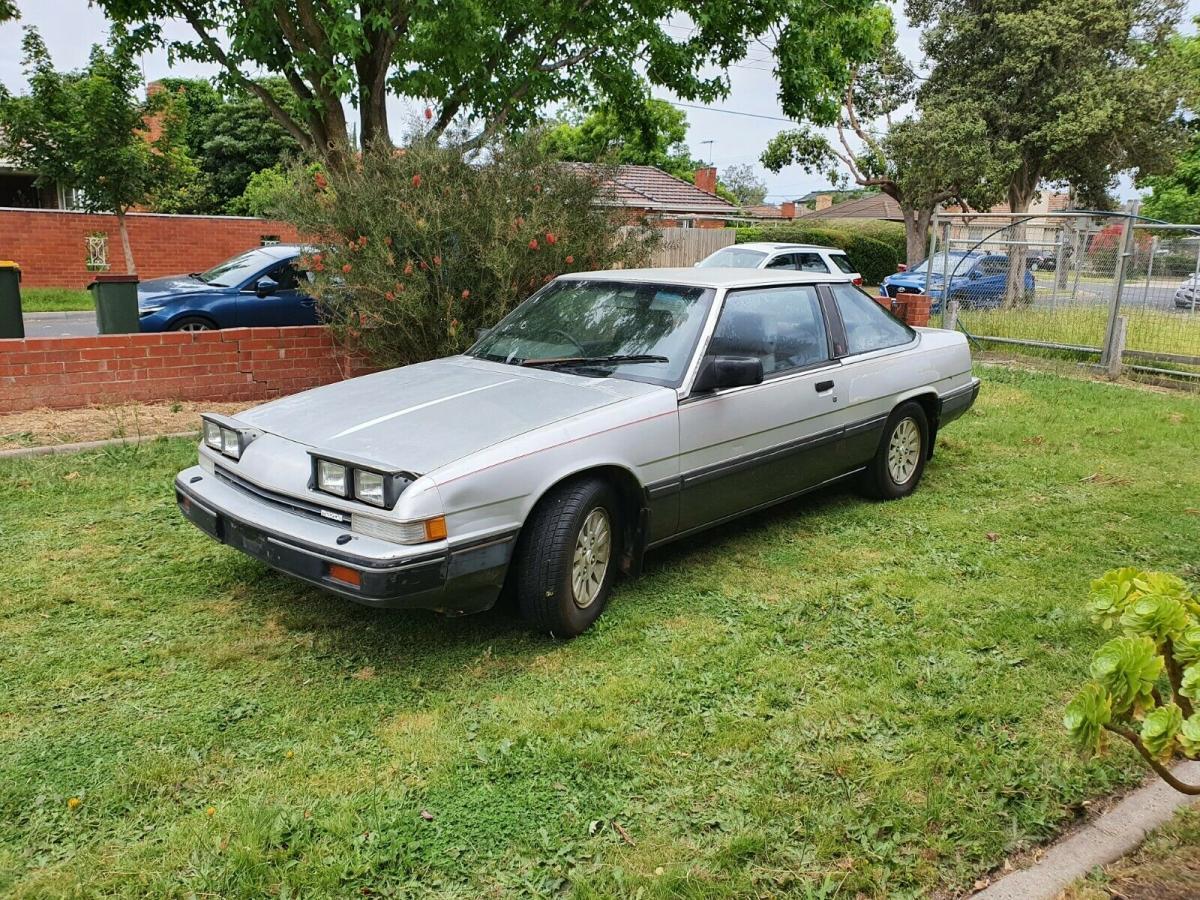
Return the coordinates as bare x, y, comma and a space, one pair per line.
331, 477
369, 487
212, 435
231, 443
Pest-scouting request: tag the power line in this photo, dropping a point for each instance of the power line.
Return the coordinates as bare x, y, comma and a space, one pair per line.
731, 112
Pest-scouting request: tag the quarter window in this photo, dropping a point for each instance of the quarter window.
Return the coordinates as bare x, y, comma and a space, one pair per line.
782, 326
842, 262
868, 326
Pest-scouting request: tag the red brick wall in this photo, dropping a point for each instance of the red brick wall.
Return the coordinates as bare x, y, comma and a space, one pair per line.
49, 243
236, 364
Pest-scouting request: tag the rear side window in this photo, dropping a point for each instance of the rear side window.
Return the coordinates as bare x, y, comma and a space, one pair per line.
868, 326
842, 261
811, 262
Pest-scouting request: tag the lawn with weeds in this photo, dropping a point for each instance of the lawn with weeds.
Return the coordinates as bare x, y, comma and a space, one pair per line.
835, 697
48, 299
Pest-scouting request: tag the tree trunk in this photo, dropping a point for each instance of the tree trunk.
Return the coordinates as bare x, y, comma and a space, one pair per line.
1020, 194
916, 234
130, 268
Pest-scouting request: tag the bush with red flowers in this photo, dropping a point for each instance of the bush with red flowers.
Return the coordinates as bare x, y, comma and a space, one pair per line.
444, 242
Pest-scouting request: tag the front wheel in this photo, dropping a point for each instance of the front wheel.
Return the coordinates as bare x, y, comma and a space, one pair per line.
900, 459
567, 560
192, 323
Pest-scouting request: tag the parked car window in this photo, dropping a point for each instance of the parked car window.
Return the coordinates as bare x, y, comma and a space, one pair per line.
993, 265
811, 262
868, 326
286, 276
782, 261
842, 261
573, 318
236, 270
782, 326
736, 258
959, 263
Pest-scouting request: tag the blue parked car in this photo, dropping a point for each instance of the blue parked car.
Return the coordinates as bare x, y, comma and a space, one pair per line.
259, 287
977, 280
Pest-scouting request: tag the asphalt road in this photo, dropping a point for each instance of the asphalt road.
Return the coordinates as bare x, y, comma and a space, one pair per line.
60, 324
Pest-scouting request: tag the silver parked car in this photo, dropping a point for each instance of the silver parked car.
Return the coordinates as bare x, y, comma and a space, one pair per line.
608, 414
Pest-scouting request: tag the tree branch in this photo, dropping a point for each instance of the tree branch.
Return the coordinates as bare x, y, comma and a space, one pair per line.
1162, 771
568, 61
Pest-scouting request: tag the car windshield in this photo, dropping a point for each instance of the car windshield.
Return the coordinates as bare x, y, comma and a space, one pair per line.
579, 326
236, 270
959, 263
734, 258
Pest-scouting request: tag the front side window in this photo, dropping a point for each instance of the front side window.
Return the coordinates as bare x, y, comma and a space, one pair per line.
782, 261
734, 258
993, 265
285, 276
579, 326
236, 270
782, 326
868, 326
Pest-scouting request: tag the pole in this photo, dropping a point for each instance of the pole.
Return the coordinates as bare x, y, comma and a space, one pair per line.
946, 270
932, 250
1114, 309
1118, 349
951, 317
1196, 277
1150, 269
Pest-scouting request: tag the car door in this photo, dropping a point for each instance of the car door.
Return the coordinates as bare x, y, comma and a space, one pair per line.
868, 339
986, 281
287, 305
744, 447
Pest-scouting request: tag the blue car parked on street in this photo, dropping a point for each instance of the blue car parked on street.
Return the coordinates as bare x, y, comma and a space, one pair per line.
259, 287
977, 280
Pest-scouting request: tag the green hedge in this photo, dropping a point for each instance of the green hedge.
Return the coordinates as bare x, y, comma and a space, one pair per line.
875, 248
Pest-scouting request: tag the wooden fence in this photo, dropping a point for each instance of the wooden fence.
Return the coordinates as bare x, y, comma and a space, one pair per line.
686, 246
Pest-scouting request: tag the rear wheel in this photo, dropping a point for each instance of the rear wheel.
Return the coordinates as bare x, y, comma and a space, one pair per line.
900, 460
193, 323
567, 560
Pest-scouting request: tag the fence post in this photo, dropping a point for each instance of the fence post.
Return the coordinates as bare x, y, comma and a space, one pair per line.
933, 232
1118, 347
951, 318
1114, 309
1150, 268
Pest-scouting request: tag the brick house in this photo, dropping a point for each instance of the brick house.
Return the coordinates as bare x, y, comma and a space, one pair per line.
651, 195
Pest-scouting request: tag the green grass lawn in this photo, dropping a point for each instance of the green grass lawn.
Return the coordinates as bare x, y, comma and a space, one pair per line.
35, 299
837, 697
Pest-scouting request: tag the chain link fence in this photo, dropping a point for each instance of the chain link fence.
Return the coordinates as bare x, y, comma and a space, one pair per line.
1106, 289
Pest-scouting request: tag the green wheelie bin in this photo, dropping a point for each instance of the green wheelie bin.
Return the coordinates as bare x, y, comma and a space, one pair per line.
11, 323
115, 297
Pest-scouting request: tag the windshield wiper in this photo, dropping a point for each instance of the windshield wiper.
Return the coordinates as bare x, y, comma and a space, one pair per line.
595, 360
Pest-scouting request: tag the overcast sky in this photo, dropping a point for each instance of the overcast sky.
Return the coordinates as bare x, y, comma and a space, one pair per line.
751, 115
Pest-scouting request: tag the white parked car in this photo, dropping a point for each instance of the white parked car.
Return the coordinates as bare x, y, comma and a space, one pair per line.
608, 414
811, 258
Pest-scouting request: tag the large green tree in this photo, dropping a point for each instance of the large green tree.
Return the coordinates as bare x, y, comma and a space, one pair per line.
653, 133
936, 154
85, 130
744, 184
229, 136
499, 63
8, 10
1175, 193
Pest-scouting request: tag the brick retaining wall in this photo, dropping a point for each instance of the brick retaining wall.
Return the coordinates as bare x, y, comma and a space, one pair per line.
231, 365
50, 244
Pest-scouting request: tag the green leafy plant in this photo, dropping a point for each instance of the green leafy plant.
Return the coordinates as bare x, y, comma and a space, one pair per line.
1145, 681
416, 248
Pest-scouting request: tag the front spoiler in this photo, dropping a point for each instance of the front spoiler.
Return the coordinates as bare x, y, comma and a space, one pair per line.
453, 580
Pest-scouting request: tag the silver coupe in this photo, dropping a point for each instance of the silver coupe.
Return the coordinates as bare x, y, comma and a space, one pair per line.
606, 415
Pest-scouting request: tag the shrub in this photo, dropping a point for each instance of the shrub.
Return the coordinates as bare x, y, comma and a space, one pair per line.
416, 248
871, 249
1144, 683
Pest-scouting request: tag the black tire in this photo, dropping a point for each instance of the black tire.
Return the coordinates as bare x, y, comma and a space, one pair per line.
546, 554
193, 323
879, 480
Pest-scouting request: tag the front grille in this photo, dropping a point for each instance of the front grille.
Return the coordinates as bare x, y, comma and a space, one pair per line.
291, 504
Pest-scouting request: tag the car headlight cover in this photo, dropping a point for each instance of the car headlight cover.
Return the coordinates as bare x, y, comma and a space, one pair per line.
331, 477
369, 487
225, 435
361, 480
420, 532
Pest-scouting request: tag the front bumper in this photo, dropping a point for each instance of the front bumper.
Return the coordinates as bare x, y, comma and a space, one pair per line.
450, 579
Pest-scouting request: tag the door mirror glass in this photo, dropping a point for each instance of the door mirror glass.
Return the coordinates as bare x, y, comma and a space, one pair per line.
265, 287
718, 372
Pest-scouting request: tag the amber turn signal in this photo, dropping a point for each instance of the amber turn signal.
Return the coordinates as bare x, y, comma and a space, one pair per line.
435, 529
345, 574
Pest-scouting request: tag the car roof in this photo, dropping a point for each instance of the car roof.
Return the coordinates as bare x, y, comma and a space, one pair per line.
279, 251
772, 245
713, 277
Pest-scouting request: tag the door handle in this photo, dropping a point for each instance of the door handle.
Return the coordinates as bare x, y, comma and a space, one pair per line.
823, 386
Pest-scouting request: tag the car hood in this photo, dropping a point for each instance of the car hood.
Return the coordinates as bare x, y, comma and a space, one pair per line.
169, 287
424, 416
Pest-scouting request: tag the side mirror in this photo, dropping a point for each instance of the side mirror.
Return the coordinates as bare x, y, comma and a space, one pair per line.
265, 287
718, 372
974, 274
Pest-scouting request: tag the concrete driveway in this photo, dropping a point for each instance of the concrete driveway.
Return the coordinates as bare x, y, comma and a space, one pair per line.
60, 324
